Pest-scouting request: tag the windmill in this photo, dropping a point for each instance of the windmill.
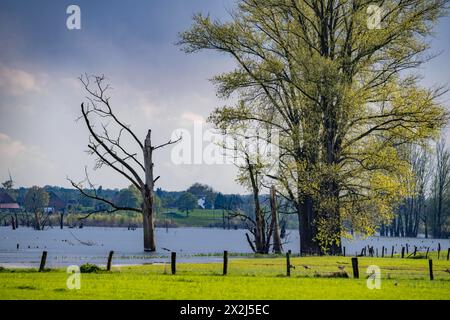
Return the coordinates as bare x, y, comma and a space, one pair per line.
8, 184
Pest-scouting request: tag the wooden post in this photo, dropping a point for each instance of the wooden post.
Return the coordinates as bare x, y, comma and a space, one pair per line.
439, 250
173, 262
415, 250
355, 268
403, 252
288, 265
428, 250
225, 262
343, 251
108, 265
43, 260
61, 220
377, 252
407, 249
430, 264
382, 252
448, 254
18, 247
392, 252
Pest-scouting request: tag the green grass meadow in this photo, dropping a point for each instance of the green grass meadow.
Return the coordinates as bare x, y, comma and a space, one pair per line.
257, 278
196, 217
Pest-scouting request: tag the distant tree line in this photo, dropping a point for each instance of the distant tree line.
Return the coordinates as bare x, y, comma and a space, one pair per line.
426, 208
37, 206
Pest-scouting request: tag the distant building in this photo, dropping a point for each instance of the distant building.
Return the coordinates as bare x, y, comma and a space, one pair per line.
55, 203
7, 202
201, 202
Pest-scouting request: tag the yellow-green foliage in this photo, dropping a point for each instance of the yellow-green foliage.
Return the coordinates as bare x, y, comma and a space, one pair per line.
335, 93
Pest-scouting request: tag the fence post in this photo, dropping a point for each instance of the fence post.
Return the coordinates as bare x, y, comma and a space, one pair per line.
428, 250
344, 252
43, 260
392, 252
407, 249
439, 250
403, 252
108, 265
430, 264
415, 250
382, 252
355, 268
225, 262
448, 254
288, 265
173, 262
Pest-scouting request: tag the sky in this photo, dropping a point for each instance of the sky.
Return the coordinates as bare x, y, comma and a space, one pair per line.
155, 85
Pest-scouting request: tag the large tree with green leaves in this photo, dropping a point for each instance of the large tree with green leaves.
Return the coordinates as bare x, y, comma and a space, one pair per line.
187, 202
331, 77
36, 199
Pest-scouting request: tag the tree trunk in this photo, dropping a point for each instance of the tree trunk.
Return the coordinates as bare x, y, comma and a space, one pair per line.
223, 219
13, 223
37, 223
306, 227
147, 197
260, 240
149, 229
277, 247
439, 213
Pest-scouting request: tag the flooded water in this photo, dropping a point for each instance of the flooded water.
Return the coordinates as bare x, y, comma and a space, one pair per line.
92, 244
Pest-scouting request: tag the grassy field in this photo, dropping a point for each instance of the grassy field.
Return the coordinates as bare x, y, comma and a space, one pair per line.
261, 278
167, 217
196, 217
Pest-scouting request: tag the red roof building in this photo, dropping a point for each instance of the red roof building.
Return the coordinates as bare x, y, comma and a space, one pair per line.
7, 202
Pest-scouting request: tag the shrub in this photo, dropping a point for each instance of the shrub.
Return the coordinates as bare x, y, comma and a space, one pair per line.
339, 274
89, 268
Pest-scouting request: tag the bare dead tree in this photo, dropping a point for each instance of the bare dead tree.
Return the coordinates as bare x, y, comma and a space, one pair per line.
108, 146
252, 157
